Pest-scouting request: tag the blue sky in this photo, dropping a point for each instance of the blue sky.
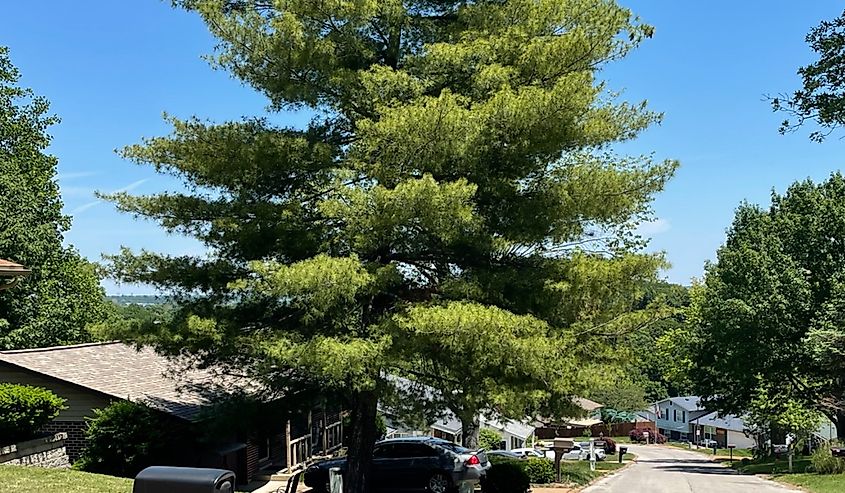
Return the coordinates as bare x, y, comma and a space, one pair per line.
111, 69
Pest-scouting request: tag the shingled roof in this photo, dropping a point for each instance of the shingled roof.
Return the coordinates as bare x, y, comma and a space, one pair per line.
11, 269
121, 371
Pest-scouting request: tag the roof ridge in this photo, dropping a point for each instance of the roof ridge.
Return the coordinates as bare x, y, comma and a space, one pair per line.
57, 348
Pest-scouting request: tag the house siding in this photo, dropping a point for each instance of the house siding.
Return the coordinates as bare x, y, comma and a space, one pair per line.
80, 404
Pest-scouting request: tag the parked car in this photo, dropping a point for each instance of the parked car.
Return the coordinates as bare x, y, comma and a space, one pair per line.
508, 454
528, 452
581, 451
412, 464
708, 443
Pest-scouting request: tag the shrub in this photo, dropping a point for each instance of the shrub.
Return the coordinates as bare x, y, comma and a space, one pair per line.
124, 438
506, 477
609, 446
489, 439
823, 462
539, 470
24, 410
637, 436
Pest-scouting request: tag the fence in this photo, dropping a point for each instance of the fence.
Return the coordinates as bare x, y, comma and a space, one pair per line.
614, 430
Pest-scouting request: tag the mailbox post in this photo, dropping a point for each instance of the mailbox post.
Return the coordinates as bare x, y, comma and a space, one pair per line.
645, 435
561, 446
622, 451
731, 448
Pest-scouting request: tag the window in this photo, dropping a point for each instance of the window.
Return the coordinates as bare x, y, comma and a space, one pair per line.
414, 450
264, 449
674, 415
684, 416
517, 442
385, 452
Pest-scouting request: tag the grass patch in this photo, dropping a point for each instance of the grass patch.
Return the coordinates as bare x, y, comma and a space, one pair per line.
815, 483
23, 479
622, 439
579, 473
722, 452
772, 465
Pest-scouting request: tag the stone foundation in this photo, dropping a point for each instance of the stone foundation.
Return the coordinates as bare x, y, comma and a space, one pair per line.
42, 452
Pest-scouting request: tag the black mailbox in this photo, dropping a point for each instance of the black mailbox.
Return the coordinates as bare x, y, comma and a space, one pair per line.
161, 479
623, 450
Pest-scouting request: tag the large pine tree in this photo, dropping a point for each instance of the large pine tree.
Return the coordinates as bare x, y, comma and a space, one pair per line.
54, 305
453, 214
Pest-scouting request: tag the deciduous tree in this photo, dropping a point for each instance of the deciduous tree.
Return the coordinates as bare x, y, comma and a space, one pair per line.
771, 309
54, 305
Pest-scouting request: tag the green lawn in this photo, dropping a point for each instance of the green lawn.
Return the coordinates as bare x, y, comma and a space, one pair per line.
815, 483
624, 439
722, 452
777, 468
772, 465
21, 479
579, 473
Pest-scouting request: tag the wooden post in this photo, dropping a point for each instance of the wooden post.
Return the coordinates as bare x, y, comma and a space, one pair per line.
287, 446
325, 431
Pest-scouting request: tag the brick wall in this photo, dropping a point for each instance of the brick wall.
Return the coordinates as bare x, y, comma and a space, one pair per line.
75, 441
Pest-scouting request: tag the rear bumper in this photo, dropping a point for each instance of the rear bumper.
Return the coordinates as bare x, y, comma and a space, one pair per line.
470, 475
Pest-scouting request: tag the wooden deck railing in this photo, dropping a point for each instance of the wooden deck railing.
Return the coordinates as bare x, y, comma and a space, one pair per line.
299, 452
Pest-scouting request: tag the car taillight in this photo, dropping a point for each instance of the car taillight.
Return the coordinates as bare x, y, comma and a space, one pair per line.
472, 461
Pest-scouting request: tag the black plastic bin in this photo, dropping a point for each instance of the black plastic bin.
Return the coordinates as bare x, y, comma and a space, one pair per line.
162, 479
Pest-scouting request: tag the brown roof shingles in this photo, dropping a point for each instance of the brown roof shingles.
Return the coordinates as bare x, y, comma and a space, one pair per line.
8, 268
122, 371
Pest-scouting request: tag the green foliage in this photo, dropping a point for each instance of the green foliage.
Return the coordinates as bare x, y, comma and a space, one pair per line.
610, 415
822, 97
489, 439
24, 410
124, 438
54, 304
539, 471
823, 462
453, 216
771, 310
506, 477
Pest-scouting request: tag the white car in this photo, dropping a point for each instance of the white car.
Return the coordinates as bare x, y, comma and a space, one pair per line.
528, 452
581, 451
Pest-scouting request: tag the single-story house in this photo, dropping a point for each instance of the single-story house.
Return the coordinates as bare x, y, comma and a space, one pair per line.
91, 376
514, 434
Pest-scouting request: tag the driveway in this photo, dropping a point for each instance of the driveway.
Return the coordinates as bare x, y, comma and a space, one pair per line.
661, 469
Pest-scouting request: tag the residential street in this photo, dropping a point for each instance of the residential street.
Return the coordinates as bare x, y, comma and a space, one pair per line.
669, 470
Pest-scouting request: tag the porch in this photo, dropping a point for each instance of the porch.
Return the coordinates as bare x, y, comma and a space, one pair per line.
305, 443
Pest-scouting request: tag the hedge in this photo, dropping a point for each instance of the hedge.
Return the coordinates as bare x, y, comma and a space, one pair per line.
24, 410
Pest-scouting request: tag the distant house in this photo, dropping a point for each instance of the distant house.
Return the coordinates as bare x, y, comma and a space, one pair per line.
514, 434
91, 376
674, 415
725, 430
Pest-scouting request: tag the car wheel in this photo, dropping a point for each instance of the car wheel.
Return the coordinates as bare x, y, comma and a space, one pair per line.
438, 483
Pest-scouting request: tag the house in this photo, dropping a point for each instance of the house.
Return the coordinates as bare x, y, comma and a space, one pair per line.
91, 376
10, 274
728, 429
573, 426
674, 415
514, 434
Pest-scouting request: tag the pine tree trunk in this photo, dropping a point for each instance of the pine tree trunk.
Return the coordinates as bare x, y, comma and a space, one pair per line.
469, 435
360, 448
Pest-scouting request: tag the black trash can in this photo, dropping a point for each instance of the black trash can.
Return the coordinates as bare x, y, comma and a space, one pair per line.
162, 479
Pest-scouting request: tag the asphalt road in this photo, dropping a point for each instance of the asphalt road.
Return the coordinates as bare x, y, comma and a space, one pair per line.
662, 469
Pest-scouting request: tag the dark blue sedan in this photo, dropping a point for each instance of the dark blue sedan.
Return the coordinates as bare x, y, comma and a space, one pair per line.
412, 464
